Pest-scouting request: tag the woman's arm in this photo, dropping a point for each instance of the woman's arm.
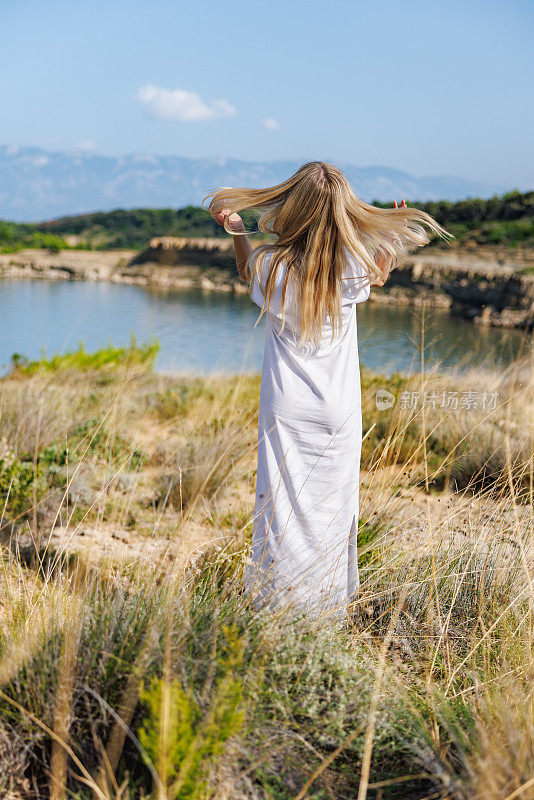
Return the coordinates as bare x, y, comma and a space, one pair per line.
242, 245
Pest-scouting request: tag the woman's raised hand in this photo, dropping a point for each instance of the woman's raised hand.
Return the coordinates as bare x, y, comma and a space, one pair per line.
242, 245
235, 223
402, 205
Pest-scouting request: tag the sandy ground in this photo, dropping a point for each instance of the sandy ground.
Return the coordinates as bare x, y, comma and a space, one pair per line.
411, 519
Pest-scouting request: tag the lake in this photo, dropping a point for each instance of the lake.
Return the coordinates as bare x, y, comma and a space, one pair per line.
207, 332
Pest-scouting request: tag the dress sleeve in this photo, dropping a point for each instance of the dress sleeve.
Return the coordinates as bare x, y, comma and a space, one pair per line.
256, 294
356, 286
286, 310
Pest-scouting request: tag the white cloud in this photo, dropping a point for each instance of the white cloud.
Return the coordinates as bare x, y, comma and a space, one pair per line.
87, 147
182, 106
270, 123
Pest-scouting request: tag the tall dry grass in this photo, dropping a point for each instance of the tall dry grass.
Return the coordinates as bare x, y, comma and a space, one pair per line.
132, 675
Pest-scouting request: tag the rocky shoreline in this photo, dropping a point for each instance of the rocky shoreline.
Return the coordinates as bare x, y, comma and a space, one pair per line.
490, 288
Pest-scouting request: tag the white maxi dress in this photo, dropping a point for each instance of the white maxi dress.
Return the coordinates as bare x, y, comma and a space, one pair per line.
304, 552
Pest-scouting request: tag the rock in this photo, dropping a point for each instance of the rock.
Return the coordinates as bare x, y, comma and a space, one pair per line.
485, 317
181, 251
481, 291
206, 283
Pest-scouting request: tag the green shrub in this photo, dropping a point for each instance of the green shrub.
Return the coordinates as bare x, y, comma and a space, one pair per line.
133, 355
16, 487
179, 739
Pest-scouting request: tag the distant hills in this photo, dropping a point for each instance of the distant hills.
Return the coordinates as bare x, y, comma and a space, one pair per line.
37, 184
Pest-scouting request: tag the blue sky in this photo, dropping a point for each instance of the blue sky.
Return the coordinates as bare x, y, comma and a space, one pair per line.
434, 88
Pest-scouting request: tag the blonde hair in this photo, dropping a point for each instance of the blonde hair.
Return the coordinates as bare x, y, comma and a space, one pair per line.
315, 215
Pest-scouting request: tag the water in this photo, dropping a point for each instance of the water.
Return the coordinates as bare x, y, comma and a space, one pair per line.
214, 332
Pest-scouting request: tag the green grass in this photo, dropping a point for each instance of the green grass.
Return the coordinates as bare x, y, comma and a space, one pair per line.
16, 237
133, 355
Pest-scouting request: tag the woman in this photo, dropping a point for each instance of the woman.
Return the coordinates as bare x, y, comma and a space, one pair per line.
329, 248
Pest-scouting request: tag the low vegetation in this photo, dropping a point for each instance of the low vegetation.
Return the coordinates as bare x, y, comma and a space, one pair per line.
81, 360
133, 665
501, 220
121, 229
17, 236
506, 219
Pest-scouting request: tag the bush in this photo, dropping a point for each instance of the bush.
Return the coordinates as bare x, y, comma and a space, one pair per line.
80, 359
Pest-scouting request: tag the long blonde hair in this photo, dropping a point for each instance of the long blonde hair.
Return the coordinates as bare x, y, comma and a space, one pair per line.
315, 215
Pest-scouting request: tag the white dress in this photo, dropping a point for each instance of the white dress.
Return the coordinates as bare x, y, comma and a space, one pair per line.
309, 444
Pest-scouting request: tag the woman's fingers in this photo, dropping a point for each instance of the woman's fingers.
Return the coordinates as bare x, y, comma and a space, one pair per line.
402, 205
234, 220
395, 204
222, 215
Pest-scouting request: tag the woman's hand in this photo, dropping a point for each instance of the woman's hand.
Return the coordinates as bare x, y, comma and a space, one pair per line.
383, 260
235, 223
242, 245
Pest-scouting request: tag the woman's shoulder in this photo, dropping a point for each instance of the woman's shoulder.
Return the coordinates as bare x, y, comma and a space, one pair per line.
355, 284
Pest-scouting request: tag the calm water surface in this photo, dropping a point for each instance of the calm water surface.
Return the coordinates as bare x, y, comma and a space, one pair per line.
214, 332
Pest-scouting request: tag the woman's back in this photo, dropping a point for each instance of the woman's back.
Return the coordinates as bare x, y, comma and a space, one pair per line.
284, 313
309, 423
309, 435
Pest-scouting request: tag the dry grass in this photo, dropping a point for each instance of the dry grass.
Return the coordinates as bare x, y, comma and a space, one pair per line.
136, 668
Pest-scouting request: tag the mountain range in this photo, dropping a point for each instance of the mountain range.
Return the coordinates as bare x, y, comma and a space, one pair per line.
38, 184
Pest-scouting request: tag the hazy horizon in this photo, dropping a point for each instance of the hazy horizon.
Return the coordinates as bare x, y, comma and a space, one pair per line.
429, 89
45, 184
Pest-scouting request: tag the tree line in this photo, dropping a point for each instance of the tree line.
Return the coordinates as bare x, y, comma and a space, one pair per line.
506, 219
